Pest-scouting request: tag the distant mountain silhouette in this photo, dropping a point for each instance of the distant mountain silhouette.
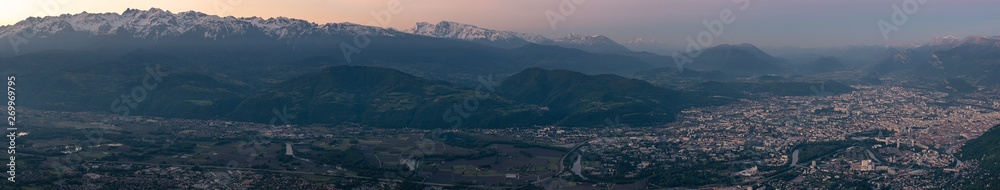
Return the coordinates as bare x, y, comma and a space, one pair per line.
742, 59
826, 64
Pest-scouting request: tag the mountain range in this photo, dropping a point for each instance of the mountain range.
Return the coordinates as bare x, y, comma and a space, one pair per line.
214, 42
428, 50
508, 39
236, 46
973, 59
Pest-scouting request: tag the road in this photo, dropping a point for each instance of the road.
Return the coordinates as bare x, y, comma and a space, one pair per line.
562, 168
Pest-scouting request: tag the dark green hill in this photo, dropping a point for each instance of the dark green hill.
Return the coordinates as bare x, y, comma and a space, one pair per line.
384, 98
985, 149
586, 100
390, 98
134, 84
555, 57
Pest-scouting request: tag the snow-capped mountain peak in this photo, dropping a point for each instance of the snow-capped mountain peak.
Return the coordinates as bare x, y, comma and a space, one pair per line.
575, 38
944, 39
455, 30
594, 43
156, 23
986, 41
508, 39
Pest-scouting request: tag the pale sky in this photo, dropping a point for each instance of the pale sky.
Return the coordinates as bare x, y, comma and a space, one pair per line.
807, 23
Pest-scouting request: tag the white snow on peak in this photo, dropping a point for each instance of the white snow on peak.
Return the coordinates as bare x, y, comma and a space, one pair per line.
155, 23
578, 39
948, 40
454, 30
982, 40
